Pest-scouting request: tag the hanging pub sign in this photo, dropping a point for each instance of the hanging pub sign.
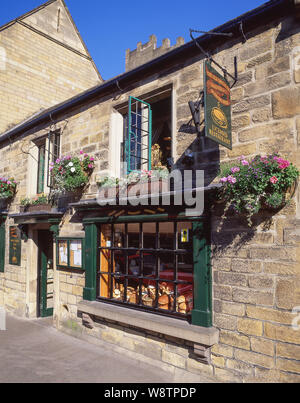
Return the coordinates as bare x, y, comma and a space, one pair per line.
14, 246
217, 107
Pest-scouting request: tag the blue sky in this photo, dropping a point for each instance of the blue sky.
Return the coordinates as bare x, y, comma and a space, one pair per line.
110, 27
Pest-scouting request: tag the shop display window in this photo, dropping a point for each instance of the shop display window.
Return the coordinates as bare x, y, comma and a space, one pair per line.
147, 265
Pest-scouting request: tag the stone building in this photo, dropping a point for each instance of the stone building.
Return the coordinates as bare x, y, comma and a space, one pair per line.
89, 264
39, 53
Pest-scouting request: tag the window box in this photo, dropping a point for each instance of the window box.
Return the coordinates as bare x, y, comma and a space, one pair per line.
156, 186
34, 208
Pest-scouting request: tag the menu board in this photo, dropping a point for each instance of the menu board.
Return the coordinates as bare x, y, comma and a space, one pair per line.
14, 246
69, 253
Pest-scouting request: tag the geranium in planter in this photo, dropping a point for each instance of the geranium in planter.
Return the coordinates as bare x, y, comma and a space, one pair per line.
108, 187
39, 203
71, 174
147, 182
264, 181
7, 188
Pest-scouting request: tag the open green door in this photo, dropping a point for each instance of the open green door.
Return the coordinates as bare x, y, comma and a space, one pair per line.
46, 273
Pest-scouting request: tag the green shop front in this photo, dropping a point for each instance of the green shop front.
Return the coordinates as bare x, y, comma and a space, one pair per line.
148, 267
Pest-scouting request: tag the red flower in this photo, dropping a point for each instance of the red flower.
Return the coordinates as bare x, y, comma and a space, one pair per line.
273, 180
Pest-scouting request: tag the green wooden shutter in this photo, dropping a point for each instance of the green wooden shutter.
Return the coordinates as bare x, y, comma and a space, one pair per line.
138, 140
2, 246
41, 169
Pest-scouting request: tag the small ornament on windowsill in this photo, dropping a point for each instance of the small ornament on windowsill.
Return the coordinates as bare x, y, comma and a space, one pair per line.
156, 157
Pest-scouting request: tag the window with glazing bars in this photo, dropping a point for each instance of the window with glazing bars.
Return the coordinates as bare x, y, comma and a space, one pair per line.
147, 265
138, 136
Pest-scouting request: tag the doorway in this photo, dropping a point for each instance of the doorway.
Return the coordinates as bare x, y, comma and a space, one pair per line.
45, 274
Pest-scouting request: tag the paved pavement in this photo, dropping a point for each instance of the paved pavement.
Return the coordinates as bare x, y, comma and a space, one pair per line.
32, 351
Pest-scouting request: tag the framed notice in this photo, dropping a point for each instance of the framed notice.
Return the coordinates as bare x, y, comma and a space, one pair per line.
14, 246
70, 253
217, 107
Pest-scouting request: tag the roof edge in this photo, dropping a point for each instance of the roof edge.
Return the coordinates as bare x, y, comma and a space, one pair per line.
114, 84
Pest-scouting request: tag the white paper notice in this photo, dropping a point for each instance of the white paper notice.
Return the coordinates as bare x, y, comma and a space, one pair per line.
77, 258
63, 256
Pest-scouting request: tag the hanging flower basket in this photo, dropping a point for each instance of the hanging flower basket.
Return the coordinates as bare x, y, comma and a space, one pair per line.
71, 174
8, 189
263, 182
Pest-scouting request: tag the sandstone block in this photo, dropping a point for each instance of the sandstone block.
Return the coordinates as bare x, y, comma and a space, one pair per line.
288, 351
288, 365
262, 346
288, 293
255, 358
220, 349
250, 327
253, 297
282, 333
269, 314
256, 49
235, 340
286, 103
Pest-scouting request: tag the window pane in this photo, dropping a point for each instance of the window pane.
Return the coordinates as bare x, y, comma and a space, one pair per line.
63, 253
149, 264
184, 302
167, 265
185, 237
149, 233
119, 236
133, 235
106, 241
166, 296
134, 266
76, 253
166, 234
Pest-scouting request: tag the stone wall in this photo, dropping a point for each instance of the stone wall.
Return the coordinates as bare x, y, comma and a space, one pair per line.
38, 64
255, 270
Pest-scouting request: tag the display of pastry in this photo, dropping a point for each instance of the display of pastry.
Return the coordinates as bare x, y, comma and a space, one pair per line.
148, 301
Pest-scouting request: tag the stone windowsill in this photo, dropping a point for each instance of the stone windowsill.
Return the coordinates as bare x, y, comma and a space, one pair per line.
148, 321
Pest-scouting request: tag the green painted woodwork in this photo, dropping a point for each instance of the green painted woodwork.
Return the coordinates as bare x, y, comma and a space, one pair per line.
41, 169
45, 243
139, 128
69, 240
2, 246
202, 312
90, 261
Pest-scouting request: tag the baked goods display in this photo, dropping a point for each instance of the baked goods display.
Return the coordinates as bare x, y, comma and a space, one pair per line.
165, 298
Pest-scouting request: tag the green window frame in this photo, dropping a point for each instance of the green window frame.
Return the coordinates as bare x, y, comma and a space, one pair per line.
69, 259
202, 311
138, 136
41, 168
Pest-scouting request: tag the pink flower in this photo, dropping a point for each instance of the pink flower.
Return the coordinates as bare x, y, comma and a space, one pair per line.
245, 162
273, 180
231, 179
235, 170
90, 166
92, 159
223, 180
85, 156
9, 182
81, 152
